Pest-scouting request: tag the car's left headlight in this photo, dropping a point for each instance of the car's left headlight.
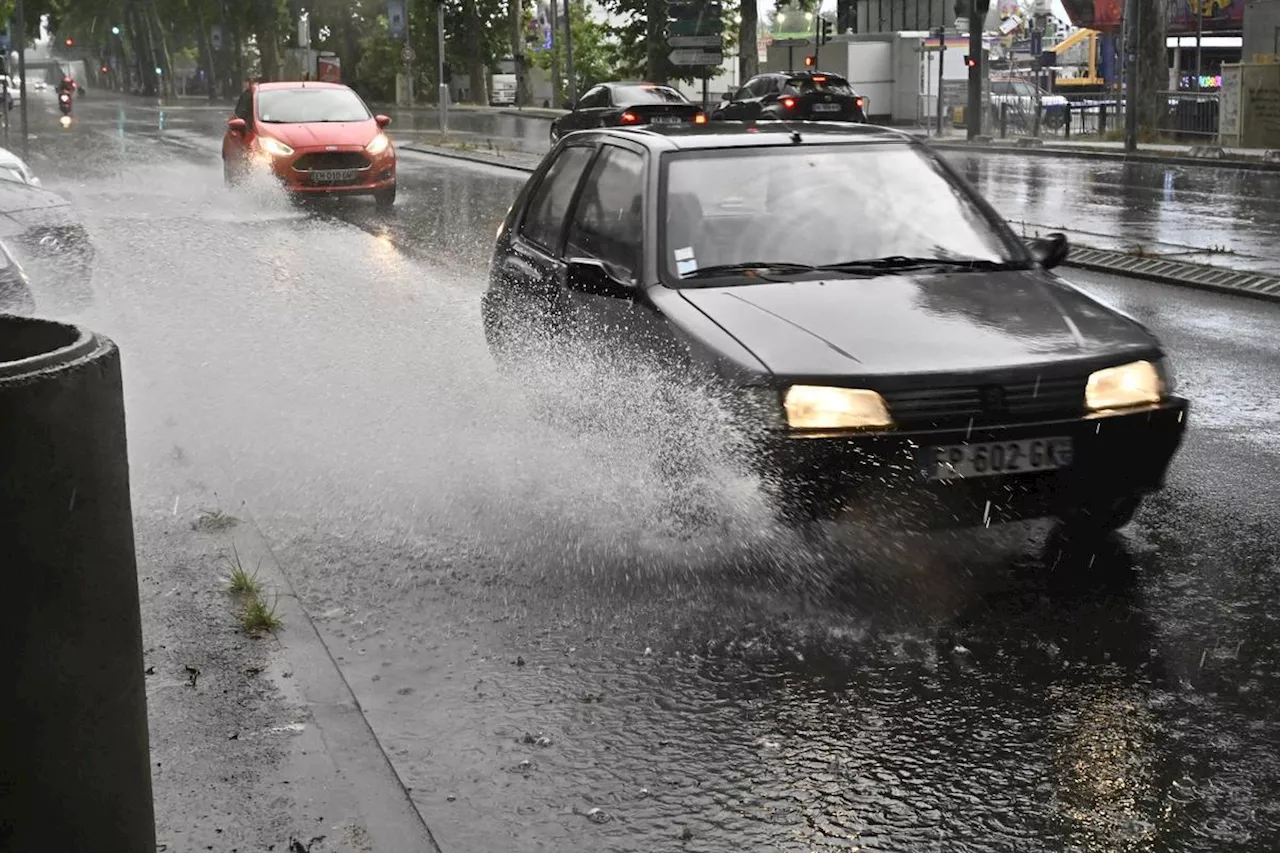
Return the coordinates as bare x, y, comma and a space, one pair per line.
378, 145
822, 407
274, 147
1137, 383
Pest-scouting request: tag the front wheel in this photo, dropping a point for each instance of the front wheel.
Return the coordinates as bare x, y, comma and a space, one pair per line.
385, 198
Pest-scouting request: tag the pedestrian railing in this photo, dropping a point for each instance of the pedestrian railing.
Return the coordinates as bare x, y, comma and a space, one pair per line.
1094, 117
1189, 116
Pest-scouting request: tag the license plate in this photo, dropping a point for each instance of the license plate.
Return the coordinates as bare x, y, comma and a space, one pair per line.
333, 176
826, 108
666, 119
995, 458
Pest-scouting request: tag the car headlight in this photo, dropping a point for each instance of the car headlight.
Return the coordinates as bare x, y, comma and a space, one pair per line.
274, 147
821, 407
1134, 384
378, 145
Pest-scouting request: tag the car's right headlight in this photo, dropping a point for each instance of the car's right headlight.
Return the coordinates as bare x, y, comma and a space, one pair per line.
378, 145
274, 147
1137, 383
823, 407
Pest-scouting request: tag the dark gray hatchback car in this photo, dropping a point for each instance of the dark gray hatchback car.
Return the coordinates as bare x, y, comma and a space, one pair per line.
894, 339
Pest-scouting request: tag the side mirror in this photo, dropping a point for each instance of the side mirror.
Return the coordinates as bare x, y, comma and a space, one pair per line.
571, 106
587, 275
727, 96
1049, 250
382, 120
237, 125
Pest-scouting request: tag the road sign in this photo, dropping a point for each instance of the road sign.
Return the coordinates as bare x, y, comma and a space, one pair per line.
791, 42
407, 54
695, 27
695, 41
696, 57
397, 20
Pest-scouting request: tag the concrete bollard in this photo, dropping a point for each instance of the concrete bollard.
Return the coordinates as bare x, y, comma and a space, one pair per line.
75, 769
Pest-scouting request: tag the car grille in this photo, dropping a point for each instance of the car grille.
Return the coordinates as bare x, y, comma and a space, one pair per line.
988, 404
332, 160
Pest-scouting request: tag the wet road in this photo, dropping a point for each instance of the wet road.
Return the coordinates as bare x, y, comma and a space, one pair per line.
529, 642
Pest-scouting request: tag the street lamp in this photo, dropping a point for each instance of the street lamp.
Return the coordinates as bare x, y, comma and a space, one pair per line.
115, 31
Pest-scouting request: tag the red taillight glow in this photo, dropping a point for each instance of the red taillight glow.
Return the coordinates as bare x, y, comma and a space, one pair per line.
788, 103
819, 79
861, 103
629, 118
700, 118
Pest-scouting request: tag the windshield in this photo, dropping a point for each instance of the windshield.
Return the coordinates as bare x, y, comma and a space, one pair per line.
297, 106
628, 95
806, 85
817, 206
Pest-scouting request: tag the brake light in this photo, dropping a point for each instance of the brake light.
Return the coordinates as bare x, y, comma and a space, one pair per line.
861, 103
819, 79
788, 103
629, 118
700, 118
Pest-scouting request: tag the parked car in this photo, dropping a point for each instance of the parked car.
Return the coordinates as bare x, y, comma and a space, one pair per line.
15, 288
1017, 98
893, 341
14, 168
627, 104
793, 96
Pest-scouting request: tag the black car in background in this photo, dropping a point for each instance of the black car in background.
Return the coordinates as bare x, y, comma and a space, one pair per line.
793, 96
887, 338
627, 105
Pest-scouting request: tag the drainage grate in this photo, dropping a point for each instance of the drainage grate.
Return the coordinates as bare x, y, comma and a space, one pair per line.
1203, 276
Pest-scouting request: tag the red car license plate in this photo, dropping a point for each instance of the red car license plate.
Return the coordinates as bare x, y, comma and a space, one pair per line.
333, 176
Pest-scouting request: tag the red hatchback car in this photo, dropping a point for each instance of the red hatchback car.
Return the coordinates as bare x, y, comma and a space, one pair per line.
316, 138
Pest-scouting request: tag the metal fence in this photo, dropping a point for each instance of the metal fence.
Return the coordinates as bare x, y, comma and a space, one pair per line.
1189, 116
1184, 117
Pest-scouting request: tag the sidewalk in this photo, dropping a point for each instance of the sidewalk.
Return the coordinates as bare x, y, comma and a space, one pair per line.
1184, 155
1146, 264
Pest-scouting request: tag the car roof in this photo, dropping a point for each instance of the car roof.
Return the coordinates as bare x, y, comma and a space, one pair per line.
807, 72
733, 134
300, 84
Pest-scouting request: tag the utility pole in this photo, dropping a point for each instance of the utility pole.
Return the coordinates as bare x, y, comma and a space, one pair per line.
444, 87
942, 57
22, 76
571, 85
1131, 75
1199, 40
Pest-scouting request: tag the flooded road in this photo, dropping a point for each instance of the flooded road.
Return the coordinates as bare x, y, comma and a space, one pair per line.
550, 667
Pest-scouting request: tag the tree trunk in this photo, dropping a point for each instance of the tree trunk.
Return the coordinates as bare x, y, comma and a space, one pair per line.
269, 39
206, 39
656, 64
748, 58
168, 82
1153, 66
475, 57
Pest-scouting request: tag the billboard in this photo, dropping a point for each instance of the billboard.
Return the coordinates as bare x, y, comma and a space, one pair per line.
1108, 15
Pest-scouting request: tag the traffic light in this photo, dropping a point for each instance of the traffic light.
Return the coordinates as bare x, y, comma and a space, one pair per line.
824, 31
106, 70
809, 61
70, 41
970, 61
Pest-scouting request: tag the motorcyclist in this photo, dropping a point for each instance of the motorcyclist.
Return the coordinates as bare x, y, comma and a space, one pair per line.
67, 85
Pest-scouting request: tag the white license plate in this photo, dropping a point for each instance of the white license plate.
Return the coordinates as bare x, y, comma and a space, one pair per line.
826, 108
333, 176
996, 458
667, 119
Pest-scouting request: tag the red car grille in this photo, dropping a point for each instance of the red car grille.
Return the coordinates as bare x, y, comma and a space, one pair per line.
332, 160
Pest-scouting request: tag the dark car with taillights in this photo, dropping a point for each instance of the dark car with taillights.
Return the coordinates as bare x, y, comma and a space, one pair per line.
627, 105
793, 96
887, 337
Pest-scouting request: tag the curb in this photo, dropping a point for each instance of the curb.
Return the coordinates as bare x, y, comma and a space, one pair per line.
373, 788
1180, 273
1252, 165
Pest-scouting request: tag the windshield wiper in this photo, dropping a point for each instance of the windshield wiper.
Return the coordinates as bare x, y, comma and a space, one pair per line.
895, 263
748, 266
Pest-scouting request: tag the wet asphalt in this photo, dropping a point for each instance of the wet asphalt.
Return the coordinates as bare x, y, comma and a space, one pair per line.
550, 667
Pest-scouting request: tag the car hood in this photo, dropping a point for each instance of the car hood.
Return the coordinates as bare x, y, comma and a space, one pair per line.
319, 134
906, 324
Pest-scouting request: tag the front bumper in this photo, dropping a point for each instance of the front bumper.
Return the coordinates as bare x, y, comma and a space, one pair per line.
1115, 456
379, 175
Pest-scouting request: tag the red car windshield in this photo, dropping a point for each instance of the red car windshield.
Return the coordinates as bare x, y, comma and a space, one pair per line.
300, 106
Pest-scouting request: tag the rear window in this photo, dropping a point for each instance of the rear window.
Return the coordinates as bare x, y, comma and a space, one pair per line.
628, 95
833, 85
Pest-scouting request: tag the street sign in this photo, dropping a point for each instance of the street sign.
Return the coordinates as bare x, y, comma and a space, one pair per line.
696, 57
397, 20
695, 41
790, 42
215, 38
695, 27
407, 54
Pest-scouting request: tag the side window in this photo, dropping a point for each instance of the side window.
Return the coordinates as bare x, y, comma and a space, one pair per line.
607, 224
597, 97
244, 106
758, 87
544, 219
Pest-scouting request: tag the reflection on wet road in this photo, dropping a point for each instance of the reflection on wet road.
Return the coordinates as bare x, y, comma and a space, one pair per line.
549, 668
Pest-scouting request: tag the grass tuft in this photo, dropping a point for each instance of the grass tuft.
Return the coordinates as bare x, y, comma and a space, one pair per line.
258, 617
241, 581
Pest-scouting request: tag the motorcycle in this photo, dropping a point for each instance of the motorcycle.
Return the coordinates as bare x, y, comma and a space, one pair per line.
64, 103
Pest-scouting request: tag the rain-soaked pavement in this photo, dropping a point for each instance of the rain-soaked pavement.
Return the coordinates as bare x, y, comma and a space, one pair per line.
550, 668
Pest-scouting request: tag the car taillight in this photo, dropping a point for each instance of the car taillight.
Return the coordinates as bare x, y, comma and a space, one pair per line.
788, 103
700, 118
861, 103
629, 118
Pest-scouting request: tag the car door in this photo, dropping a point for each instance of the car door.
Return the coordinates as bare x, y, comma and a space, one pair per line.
737, 108
528, 277
586, 113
